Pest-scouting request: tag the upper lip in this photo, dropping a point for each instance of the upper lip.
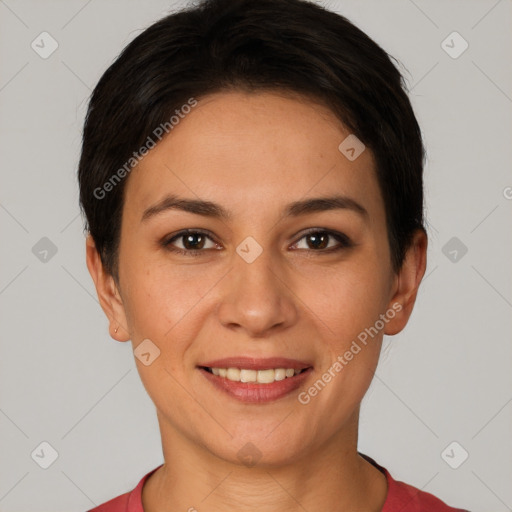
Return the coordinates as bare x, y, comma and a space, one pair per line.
253, 363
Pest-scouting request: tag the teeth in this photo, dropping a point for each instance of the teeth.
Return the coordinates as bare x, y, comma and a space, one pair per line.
266, 376
280, 374
259, 376
248, 375
233, 374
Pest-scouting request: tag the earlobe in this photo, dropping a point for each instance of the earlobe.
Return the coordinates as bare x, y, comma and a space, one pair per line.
108, 293
408, 281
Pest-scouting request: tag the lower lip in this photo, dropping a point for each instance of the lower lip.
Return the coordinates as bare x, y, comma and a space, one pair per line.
257, 393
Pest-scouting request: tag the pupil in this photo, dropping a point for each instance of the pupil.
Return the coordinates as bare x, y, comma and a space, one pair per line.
319, 240
191, 243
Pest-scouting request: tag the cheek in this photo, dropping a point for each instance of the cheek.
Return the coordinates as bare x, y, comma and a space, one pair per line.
166, 304
347, 310
348, 299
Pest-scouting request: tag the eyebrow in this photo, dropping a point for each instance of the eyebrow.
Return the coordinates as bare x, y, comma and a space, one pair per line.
295, 209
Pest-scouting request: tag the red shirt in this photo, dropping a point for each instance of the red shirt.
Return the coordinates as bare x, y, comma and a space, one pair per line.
400, 498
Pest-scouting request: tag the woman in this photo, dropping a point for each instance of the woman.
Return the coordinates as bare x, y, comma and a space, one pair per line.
251, 176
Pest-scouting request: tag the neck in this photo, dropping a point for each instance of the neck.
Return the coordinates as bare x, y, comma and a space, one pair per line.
333, 477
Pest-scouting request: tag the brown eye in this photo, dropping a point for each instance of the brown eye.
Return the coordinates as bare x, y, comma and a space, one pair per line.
190, 242
323, 241
318, 240
193, 241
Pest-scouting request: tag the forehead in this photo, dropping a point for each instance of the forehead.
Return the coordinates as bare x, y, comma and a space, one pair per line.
251, 149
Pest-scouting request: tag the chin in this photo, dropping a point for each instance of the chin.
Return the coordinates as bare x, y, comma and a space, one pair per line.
261, 449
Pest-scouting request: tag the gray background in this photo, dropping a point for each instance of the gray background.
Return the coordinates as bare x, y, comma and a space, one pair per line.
447, 377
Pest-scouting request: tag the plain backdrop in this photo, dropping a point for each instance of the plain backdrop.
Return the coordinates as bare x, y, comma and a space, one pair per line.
445, 379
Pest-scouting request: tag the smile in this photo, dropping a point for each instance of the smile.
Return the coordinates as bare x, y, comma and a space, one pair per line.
254, 380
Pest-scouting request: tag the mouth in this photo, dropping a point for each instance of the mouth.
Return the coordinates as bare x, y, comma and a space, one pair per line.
256, 380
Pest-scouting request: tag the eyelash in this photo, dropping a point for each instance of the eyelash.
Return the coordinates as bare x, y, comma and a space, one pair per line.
341, 238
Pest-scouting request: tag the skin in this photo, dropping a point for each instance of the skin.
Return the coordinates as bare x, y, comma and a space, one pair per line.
253, 154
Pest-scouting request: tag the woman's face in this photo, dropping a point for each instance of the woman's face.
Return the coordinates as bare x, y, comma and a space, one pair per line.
276, 273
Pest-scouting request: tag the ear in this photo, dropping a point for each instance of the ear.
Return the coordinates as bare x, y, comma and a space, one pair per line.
108, 293
407, 282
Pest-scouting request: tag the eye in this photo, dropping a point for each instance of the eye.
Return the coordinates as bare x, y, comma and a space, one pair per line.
190, 242
318, 240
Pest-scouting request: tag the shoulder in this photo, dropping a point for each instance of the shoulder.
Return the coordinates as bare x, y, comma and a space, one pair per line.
406, 498
128, 502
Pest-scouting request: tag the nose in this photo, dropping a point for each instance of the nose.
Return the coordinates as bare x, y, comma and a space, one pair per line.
257, 297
